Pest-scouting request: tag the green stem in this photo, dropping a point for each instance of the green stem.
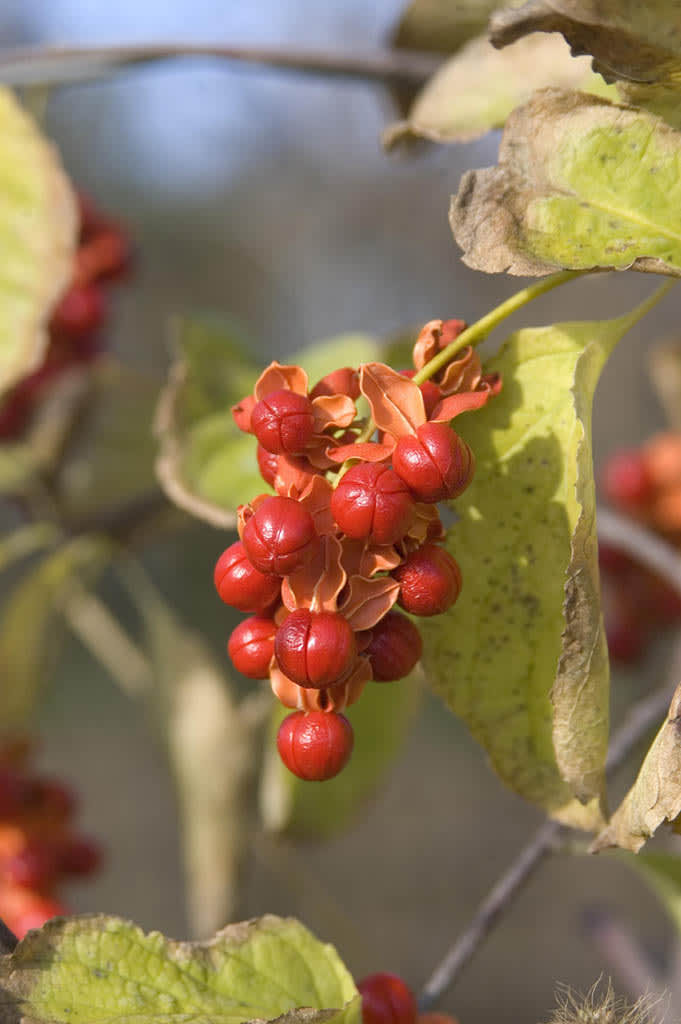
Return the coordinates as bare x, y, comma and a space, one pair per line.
478, 331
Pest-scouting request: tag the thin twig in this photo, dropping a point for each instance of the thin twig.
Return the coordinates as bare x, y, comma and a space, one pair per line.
69, 64
655, 554
623, 954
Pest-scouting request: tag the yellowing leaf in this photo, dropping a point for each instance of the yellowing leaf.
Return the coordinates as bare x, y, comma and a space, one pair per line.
38, 226
628, 39
476, 90
381, 720
522, 656
655, 797
206, 465
105, 969
582, 184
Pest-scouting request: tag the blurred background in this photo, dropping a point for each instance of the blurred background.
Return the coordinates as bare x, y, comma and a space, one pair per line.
266, 196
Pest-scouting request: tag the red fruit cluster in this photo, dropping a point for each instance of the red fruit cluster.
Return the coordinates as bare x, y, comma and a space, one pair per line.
352, 531
38, 847
645, 484
74, 331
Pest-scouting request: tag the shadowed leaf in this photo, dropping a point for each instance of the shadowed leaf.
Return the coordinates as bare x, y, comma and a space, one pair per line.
206, 465
522, 656
628, 39
381, 720
441, 26
106, 969
581, 184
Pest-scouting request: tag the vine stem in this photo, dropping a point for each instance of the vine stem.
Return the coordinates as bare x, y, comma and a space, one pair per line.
478, 331
643, 716
62, 65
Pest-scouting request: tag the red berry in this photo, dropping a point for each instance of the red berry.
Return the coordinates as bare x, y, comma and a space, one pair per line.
280, 536
430, 581
315, 649
283, 422
432, 395
239, 583
80, 857
80, 311
57, 801
315, 746
251, 647
14, 413
434, 462
394, 649
267, 464
386, 999
626, 480
105, 256
371, 501
34, 867
613, 561
36, 914
344, 381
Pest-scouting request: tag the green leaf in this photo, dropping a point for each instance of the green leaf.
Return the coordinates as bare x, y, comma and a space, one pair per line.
441, 26
476, 90
522, 654
206, 465
635, 41
381, 719
26, 540
213, 746
582, 184
37, 237
662, 871
655, 796
106, 969
27, 622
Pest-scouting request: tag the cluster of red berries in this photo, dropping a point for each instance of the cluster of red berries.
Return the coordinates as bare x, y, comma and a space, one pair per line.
352, 530
645, 484
38, 846
74, 331
386, 999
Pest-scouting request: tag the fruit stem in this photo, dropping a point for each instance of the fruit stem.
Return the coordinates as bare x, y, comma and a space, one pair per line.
478, 331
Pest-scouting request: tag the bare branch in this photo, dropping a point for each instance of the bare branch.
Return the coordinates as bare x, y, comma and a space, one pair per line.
57, 65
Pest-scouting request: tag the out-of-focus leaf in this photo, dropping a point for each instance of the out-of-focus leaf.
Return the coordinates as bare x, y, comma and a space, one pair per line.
105, 969
655, 797
582, 184
640, 42
26, 540
662, 871
441, 26
521, 656
476, 90
664, 364
109, 458
38, 227
28, 619
206, 465
213, 746
381, 720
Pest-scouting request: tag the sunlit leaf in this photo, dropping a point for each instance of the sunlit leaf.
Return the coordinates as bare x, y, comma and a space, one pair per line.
381, 720
37, 236
522, 655
476, 90
581, 183
655, 796
105, 969
28, 621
